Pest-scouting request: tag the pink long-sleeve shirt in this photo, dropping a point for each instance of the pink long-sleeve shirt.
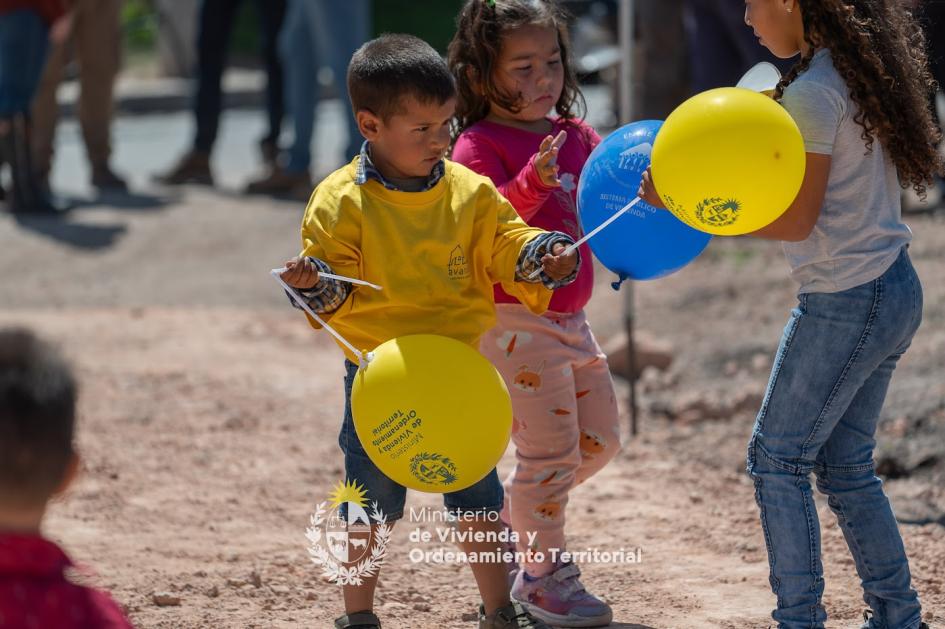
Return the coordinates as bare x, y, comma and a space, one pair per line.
506, 155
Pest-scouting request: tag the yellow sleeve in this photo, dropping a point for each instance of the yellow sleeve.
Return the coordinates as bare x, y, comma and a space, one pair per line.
511, 235
331, 232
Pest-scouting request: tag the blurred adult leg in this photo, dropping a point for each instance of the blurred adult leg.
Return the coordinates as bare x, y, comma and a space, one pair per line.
97, 35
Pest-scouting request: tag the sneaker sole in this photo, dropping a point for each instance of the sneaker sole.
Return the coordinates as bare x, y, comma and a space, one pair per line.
559, 620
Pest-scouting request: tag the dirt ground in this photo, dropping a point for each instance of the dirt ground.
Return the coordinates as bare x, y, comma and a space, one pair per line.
209, 416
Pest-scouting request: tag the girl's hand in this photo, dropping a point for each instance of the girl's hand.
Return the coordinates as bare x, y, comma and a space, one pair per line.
647, 191
547, 158
61, 29
558, 266
300, 273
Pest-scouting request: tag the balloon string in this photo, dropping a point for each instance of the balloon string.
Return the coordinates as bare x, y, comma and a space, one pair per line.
330, 276
363, 359
593, 233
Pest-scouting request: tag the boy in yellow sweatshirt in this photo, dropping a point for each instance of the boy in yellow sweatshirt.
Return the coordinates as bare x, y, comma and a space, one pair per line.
437, 237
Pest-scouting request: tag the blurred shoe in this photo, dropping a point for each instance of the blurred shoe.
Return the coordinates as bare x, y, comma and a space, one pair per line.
194, 167
28, 194
560, 599
104, 178
512, 616
270, 152
280, 182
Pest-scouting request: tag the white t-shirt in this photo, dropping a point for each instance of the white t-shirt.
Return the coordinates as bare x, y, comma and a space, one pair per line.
860, 231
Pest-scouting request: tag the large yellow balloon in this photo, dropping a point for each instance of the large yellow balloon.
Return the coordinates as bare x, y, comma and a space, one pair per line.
728, 161
431, 412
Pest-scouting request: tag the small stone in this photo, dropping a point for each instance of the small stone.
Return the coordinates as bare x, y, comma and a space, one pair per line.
200, 573
649, 352
280, 589
470, 617
165, 599
213, 592
235, 583
422, 607
255, 579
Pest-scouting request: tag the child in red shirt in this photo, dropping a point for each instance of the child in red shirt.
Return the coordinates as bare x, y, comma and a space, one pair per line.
38, 461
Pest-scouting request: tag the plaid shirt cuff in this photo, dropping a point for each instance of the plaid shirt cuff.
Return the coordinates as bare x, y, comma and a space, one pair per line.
529, 260
327, 295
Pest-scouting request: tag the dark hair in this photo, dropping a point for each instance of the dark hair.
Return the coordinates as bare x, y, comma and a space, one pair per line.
476, 46
385, 70
37, 418
879, 49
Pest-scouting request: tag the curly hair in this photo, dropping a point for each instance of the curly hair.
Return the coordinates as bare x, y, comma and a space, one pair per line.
879, 49
475, 48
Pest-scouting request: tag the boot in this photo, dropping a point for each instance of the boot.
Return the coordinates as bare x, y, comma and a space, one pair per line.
27, 195
193, 167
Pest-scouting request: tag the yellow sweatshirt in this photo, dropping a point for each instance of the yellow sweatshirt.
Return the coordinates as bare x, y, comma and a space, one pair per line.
436, 254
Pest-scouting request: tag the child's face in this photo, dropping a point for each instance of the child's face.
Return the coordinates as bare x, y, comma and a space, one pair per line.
777, 25
530, 65
410, 143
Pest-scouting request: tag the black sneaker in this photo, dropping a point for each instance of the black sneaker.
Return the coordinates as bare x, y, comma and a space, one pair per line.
512, 616
358, 620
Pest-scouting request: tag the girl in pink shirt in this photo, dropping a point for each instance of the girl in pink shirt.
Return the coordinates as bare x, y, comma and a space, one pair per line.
510, 59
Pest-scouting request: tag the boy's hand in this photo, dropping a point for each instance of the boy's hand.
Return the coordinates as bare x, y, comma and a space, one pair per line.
558, 266
300, 273
647, 191
546, 162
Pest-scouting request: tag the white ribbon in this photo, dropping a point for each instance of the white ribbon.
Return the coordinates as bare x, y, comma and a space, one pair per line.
593, 233
363, 358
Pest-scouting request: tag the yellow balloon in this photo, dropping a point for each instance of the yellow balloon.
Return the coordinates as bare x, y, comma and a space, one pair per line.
728, 161
432, 413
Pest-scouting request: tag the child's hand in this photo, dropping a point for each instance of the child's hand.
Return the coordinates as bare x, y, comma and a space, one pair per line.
546, 162
61, 29
300, 273
558, 266
647, 191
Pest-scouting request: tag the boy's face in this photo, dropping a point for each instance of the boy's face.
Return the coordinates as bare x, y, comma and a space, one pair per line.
412, 141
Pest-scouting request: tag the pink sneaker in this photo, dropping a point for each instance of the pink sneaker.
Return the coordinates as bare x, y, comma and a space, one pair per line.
560, 599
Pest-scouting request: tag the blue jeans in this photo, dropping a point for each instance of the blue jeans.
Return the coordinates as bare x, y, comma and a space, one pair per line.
23, 43
317, 34
485, 497
819, 415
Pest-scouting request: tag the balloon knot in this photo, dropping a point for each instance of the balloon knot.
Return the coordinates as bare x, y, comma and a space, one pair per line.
364, 359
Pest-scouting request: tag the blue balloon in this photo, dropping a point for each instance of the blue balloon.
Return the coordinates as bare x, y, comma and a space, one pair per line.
645, 243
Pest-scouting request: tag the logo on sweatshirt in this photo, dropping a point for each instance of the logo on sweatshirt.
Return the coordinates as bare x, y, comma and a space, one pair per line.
458, 267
